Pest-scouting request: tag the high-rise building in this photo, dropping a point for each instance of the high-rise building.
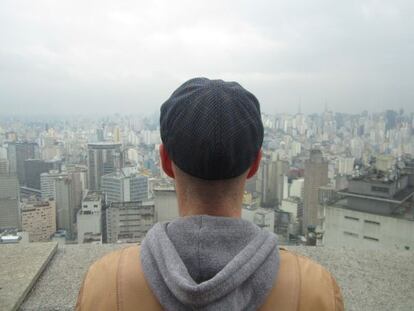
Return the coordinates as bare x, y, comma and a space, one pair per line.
124, 186
89, 218
17, 153
128, 222
4, 167
47, 183
103, 158
39, 220
316, 175
272, 178
68, 200
9, 202
34, 167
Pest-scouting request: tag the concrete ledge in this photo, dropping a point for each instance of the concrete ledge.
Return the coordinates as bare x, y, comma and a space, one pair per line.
21, 266
369, 279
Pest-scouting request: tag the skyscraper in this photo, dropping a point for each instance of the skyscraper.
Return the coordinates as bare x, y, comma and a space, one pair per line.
316, 175
271, 177
17, 153
103, 158
68, 201
4, 166
47, 183
34, 167
124, 186
9, 202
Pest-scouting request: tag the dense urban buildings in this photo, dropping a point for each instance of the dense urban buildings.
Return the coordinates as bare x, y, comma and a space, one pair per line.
328, 179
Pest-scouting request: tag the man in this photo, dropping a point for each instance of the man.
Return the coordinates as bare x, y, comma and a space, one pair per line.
209, 258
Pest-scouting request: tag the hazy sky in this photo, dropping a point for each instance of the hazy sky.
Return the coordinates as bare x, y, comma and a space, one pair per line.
83, 56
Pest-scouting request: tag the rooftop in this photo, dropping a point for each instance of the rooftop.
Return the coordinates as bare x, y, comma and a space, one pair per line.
369, 279
407, 214
398, 198
92, 196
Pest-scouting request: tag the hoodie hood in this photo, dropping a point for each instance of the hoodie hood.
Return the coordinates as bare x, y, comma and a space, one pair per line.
210, 263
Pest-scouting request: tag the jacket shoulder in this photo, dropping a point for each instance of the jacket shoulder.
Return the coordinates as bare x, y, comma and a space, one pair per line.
116, 282
303, 284
318, 287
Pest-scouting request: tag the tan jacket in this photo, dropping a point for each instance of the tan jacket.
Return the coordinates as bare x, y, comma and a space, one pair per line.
116, 282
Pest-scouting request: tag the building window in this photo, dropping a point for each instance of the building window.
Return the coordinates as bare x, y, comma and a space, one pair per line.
350, 234
351, 218
370, 238
379, 189
371, 222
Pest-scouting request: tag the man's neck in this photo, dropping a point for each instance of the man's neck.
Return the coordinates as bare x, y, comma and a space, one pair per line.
224, 208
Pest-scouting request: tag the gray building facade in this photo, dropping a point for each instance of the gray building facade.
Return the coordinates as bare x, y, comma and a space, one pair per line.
123, 186
128, 222
9, 202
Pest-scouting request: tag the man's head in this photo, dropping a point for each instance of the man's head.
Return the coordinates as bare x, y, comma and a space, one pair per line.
211, 131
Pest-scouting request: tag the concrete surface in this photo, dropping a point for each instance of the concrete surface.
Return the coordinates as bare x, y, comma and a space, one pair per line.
20, 267
370, 280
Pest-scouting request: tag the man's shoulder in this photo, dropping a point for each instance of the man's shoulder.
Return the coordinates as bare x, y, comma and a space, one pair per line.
303, 284
116, 282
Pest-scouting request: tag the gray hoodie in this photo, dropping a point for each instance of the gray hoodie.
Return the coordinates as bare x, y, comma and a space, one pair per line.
210, 263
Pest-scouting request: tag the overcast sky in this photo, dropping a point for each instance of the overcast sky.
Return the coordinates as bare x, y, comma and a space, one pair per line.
83, 56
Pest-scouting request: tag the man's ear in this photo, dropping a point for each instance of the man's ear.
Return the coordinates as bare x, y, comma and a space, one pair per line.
166, 163
255, 165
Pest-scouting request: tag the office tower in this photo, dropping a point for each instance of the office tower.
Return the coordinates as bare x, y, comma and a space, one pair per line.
68, 200
103, 158
316, 175
39, 220
4, 167
128, 222
375, 211
89, 218
9, 202
124, 185
34, 167
47, 183
271, 176
17, 153
82, 173
166, 205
